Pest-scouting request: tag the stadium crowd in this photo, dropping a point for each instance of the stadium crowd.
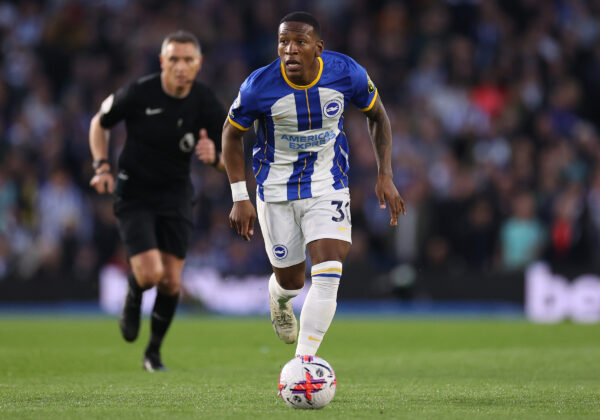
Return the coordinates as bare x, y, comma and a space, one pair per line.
494, 108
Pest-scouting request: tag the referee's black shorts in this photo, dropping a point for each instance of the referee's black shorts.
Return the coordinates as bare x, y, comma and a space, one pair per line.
163, 222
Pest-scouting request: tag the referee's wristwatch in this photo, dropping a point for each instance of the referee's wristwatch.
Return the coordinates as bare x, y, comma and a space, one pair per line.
99, 162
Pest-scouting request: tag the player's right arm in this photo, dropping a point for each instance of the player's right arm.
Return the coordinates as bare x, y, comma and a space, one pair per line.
243, 214
102, 181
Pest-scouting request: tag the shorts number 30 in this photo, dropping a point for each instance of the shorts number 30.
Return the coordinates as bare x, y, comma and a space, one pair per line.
345, 212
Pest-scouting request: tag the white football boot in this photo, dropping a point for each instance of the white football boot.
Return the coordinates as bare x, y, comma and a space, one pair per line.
284, 321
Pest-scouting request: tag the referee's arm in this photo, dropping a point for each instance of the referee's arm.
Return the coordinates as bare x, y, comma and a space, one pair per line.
103, 181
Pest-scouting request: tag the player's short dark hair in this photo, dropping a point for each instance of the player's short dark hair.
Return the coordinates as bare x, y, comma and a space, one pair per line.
303, 17
181, 37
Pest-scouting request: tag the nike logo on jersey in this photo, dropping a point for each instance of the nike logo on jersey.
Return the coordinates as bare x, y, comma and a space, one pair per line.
310, 337
153, 111
280, 118
342, 228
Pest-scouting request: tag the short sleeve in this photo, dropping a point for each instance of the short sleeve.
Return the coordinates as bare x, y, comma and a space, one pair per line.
116, 107
245, 109
364, 91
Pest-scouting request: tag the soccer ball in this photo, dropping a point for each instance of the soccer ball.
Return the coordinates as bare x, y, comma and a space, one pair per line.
307, 382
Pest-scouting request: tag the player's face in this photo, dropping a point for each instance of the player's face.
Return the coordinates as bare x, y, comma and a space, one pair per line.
298, 48
180, 63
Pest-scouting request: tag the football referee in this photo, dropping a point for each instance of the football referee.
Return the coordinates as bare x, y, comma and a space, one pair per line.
168, 116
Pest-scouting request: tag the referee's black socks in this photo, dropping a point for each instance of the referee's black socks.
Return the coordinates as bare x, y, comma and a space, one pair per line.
135, 288
162, 315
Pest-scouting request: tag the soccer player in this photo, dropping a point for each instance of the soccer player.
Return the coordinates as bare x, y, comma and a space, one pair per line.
300, 161
168, 116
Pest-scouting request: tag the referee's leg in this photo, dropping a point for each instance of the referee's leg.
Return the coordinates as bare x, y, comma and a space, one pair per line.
167, 298
147, 270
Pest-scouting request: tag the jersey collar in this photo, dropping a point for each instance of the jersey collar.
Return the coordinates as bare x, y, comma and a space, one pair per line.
295, 86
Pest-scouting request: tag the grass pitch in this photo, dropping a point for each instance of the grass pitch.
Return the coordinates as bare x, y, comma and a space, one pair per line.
227, 368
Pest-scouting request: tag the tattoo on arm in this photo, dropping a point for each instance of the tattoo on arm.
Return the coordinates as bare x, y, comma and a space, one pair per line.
381, 136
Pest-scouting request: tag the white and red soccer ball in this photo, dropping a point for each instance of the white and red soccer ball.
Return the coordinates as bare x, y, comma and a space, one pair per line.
307, 382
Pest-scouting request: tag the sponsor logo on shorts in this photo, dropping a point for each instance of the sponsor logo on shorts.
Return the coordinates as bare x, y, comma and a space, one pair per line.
332, 108
280, 251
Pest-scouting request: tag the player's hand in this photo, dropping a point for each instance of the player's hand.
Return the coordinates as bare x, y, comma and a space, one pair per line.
205, 148
103, 182
386, 191
242, 218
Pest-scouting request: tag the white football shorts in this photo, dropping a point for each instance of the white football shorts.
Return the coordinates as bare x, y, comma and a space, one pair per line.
287, 226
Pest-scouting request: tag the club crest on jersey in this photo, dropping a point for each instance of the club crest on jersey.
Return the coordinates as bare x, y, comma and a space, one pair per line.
186, 144
332, 108
280, 251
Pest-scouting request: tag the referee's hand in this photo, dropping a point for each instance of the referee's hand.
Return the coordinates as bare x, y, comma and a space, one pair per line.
103, 182
205, 148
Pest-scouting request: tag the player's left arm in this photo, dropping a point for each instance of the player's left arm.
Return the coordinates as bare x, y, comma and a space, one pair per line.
380, 132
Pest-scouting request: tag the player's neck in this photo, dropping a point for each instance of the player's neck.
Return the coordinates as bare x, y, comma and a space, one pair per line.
308, 76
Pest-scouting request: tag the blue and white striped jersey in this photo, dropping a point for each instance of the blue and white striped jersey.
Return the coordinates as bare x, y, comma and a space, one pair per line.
301, 150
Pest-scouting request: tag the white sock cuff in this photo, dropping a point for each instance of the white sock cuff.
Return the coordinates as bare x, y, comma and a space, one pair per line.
279, 292
327, 271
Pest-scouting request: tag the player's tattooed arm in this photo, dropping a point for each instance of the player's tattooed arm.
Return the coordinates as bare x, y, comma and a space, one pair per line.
380, 131
381, 136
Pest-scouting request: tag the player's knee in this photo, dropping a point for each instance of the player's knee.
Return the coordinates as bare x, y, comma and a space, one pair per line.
291, 282
328, 250
291, 278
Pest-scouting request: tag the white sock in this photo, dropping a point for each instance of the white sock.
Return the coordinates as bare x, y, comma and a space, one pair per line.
319, 306
280, 294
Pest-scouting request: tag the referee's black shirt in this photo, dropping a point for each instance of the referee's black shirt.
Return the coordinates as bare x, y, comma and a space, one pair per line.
161, 132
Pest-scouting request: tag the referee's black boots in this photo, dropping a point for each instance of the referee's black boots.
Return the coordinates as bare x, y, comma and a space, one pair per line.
152, 362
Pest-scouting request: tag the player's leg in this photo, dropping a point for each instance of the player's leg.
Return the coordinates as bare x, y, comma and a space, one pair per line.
165, 305
319, 307
284, 285
327, 228
284, 244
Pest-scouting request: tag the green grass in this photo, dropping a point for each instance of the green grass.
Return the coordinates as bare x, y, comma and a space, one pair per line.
227, 368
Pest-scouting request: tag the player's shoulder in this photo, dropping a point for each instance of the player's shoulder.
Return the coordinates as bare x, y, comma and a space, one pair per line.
263, 77
336, 61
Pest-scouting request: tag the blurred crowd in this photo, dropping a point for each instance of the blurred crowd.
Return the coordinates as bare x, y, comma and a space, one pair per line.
494, 106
